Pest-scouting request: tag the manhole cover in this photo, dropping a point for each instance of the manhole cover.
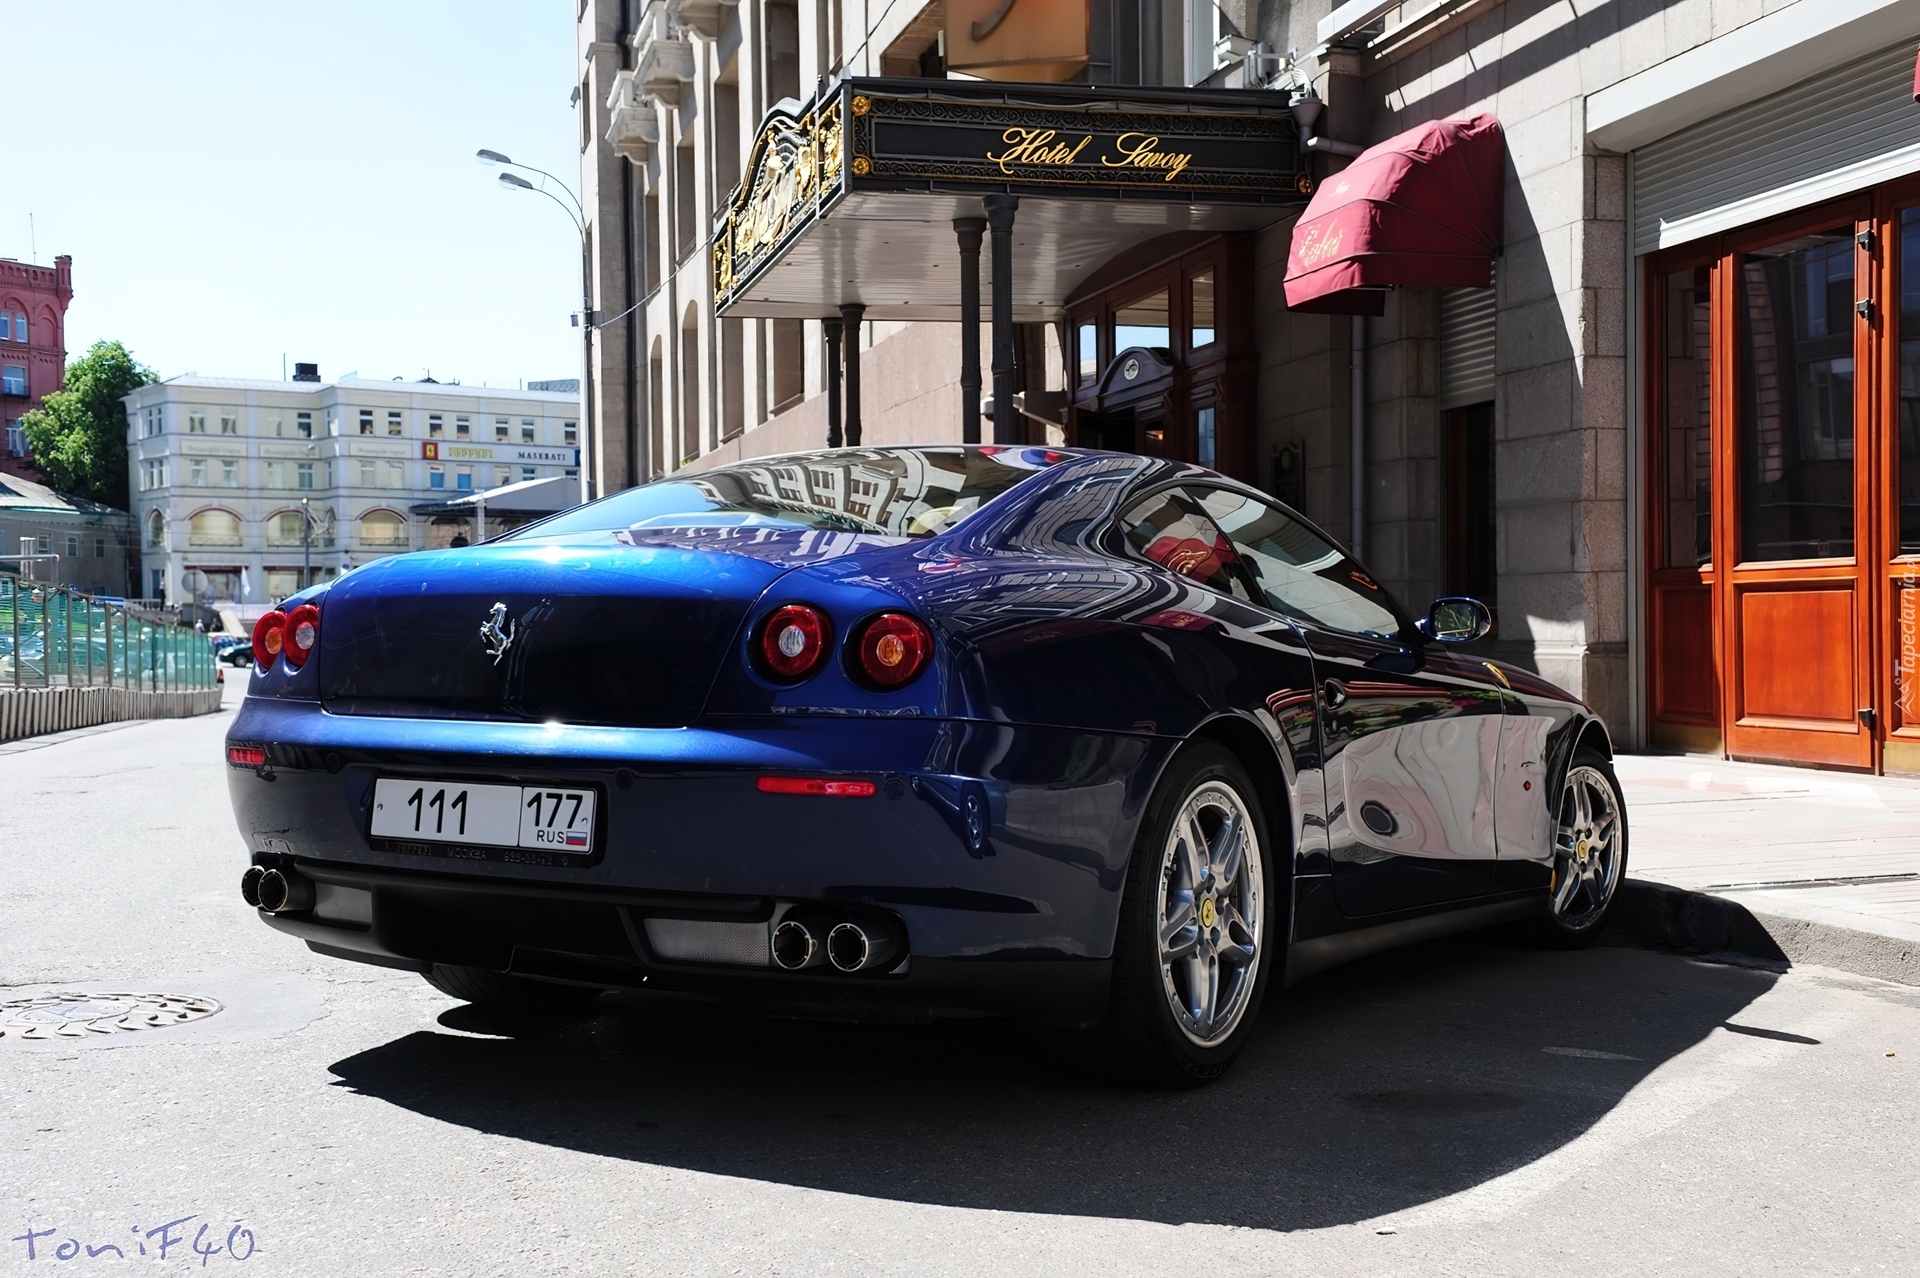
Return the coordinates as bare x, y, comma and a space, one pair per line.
75, 1015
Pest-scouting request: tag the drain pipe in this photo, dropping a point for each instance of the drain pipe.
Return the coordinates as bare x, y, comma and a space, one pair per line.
1357, 431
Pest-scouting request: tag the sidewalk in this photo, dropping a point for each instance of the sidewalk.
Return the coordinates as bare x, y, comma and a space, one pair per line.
1826, 864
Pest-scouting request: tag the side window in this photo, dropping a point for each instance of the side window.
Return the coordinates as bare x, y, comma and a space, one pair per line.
1303, 575
1170, 530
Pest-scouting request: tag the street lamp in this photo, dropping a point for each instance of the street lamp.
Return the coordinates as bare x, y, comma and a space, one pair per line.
571, 206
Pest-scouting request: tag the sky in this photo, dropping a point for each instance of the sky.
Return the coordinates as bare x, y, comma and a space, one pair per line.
242, 184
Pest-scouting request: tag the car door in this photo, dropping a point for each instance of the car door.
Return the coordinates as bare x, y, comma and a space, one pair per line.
1410, 733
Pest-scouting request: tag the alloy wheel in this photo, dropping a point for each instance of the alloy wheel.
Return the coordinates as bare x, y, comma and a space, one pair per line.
1211, 912
1586, 848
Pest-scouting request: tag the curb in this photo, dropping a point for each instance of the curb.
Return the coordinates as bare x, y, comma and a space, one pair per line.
1701, 923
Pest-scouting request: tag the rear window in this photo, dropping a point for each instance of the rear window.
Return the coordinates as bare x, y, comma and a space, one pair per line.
904, 492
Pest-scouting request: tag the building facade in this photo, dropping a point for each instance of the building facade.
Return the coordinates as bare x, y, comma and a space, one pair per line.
33, 351
244, 492
66, 540
1649, 397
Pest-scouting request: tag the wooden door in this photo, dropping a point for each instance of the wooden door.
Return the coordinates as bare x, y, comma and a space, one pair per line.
1794, 500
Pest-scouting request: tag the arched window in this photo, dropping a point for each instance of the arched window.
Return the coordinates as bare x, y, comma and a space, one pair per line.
382, 528
213, 528
156, 530
283, 528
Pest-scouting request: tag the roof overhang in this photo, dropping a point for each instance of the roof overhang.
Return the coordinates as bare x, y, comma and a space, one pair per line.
851, 199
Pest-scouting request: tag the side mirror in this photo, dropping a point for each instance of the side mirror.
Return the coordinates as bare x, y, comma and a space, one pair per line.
1456, 619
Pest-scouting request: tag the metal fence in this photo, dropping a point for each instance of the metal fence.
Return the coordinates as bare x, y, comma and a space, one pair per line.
52, 636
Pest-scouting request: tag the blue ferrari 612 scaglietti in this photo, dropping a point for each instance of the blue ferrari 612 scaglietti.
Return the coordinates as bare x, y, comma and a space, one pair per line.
1093, 739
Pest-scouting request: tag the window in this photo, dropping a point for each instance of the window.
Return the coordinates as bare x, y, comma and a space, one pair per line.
368, 473
1687, 385
196, 421
20, 331
43, 544
570, 432
500, 428
303, 425
526, 473
1466, 442
436, 427
156, 422
436, 477
396, 474
153, 474
214, 528
16, 439
276, 474
99, 547
1205, 448
1142, 323
13, 380
197, 473
395, 424
284, 528
1300, 574
73, 545
366, 421
1795, 319
305, 472
1088, 341
1169, 529
526, 430
502, 475
156, 531
383, 528
1200, 311
282, 582
1907, 425
230, 474
463, 479
273, 425
462, 428
229, 423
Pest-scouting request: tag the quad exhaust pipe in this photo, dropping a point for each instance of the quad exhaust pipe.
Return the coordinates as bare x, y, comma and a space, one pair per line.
800, 942
276, 891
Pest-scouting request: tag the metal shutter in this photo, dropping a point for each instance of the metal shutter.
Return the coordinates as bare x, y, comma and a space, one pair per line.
1466, 346
1841, 131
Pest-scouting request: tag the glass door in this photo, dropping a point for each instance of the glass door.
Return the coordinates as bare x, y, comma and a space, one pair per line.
1901, 633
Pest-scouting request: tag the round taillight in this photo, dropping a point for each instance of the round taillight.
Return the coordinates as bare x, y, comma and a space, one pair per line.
793, 641
303, 632
268, 634
893, 648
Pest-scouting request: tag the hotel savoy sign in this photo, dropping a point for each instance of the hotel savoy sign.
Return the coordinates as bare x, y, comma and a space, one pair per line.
1038, 141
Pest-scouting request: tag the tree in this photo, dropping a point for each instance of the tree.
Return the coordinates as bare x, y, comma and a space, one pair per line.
79, 435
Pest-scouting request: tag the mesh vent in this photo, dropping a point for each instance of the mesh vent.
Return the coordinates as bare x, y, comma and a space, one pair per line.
699, 941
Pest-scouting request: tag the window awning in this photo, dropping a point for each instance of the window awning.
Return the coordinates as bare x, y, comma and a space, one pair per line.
1422, 208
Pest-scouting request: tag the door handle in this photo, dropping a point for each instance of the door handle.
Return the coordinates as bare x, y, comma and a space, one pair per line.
1334, 693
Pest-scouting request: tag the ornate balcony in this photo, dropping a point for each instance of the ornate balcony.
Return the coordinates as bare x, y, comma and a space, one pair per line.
664, 62
634, 127
705, 16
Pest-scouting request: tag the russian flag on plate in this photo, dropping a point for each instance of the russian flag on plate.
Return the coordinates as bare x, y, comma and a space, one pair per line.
576, 840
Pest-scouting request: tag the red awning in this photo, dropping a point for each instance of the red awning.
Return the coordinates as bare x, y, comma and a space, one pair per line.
1422, 208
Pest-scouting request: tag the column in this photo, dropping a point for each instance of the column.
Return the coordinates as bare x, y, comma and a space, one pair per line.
1000, 210
969, 231
832, 330
851, 316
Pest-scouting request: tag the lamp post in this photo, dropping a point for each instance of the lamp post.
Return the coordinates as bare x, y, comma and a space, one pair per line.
571, 206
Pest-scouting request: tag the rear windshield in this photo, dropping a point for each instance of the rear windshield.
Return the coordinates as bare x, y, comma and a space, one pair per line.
904, 492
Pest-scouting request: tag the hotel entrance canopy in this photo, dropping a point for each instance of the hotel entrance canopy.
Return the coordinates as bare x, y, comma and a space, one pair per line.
851, 199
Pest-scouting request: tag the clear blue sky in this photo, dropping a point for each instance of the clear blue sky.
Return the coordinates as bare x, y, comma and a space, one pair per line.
236, 182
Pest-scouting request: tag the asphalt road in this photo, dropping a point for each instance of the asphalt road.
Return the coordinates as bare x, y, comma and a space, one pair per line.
1465, 1107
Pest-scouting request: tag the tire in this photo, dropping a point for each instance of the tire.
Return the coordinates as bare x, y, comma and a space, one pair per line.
484, 988
1589, 855
1156, 1031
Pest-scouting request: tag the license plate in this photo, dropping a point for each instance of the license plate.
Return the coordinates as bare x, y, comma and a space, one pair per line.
552, 818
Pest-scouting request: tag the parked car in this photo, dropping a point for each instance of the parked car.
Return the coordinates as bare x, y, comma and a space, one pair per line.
232, 650
1099, 740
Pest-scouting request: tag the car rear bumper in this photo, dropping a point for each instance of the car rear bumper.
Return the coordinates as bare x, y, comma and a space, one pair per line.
1000, 850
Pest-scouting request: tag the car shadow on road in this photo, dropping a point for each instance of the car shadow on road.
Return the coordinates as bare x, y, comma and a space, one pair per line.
1369, 1089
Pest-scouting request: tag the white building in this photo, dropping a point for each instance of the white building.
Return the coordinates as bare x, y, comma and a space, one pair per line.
245, 491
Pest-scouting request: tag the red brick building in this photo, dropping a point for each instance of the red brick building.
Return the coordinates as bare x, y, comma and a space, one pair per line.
33, 348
